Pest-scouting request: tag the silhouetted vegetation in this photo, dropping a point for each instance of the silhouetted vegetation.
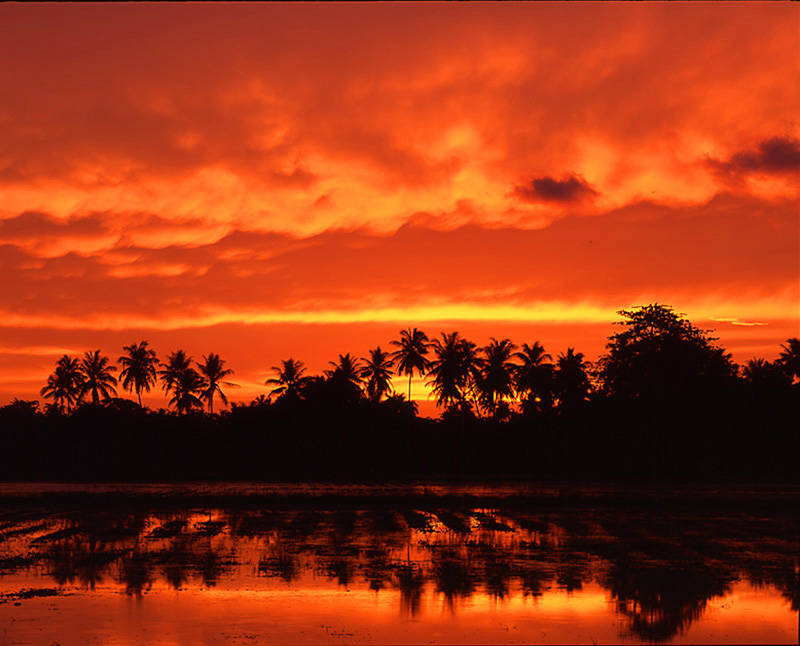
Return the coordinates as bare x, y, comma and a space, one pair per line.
665, 402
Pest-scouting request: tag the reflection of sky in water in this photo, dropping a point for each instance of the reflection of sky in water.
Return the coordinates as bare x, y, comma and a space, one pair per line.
454, 571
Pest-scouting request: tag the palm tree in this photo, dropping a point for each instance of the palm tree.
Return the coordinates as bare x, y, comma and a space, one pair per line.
346, 374
413, 346
179, 378
571, 380
377, 372
756, 370
496, 370
97, 377
290, 379
790, 357
453, 372
138, 368
766, 375
213, 372
64, 385
348, 369
533, 377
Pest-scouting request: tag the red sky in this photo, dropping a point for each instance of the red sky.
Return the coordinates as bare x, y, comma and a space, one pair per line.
275, 180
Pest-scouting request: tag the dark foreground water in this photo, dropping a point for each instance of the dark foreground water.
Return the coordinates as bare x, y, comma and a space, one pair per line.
298, 564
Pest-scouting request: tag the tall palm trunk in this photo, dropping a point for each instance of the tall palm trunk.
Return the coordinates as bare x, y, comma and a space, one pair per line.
409, 386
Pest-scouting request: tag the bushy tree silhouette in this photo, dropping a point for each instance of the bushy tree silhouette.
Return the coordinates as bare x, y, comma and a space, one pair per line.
660, 355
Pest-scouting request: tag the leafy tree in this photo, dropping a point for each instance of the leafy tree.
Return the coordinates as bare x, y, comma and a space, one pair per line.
289, 381
97, 377
64, 384
411, 354
454, 370
138, 368
571, 381
184, 382
377, 373
660, 355
533, 377
213, 372
496, 382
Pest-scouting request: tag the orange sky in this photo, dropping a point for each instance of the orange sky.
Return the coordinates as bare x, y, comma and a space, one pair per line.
275, 180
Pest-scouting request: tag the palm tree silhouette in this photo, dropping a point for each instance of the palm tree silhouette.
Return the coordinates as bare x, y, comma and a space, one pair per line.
377, 372
64, 384
213, 372
413, 346
179, 378
790, 357
97, 377
452, 373
570, 380
290, 379
533, 377
756, 370
346, 374
138, 368
496, 373
348, 369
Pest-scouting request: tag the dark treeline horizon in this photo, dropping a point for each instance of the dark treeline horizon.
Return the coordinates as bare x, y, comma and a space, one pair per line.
665, 402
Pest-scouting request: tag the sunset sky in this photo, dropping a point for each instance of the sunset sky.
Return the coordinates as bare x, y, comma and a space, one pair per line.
281, 180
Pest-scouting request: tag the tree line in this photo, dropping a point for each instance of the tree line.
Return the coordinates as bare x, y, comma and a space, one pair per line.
659, 354
665, 402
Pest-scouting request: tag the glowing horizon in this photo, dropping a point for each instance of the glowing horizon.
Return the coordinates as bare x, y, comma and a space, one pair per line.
522, 171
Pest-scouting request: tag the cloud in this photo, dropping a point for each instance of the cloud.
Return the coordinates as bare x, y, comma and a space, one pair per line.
33, 225
284, 104
727, 248
570, 189
778, 155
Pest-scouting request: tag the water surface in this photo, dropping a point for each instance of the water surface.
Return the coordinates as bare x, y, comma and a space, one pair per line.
310, 564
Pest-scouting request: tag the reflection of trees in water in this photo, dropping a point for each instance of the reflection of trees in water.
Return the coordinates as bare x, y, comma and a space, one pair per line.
660, 569
662, 601
279, 561
135, 573
409, 580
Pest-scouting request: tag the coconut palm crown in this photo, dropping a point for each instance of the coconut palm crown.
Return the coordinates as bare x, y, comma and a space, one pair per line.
138, 368
377, 373
97, 377
213, 372
64, 384
289, 380
410, 355
184, 382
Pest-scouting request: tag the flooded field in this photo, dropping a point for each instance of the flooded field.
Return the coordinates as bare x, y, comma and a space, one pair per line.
306, 564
